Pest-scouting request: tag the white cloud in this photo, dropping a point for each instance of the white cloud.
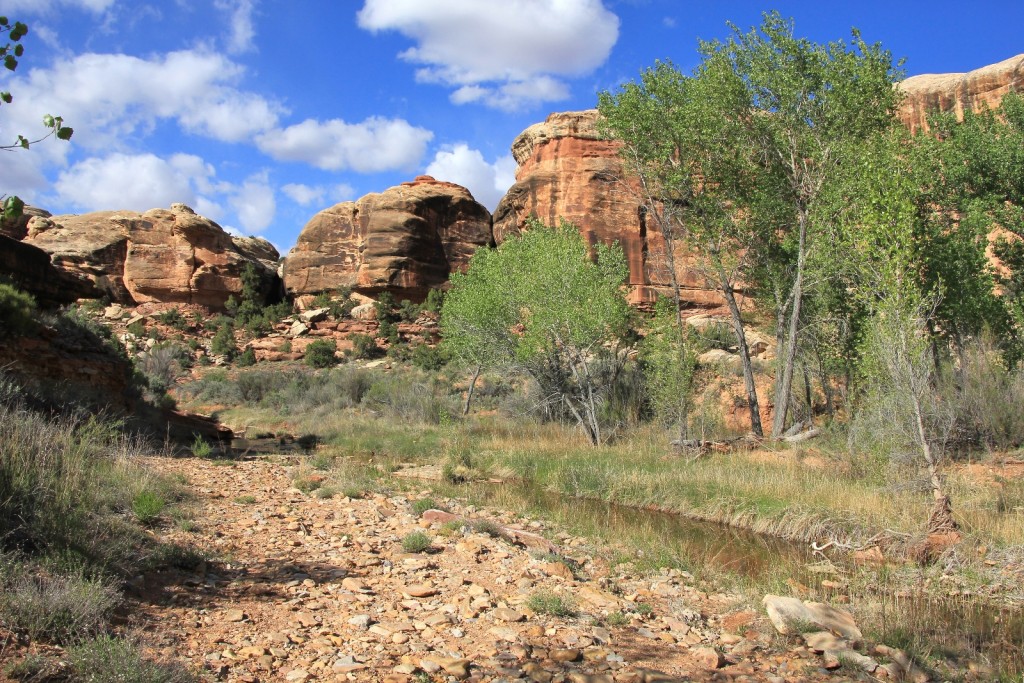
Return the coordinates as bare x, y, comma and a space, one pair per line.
374, 145
506, 53
254, 203
467, 167
318, 195
131, 181
240, 39
111, 98
46, 6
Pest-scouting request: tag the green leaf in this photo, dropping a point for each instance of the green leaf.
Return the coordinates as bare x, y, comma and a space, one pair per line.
65, 133
19, 50
3, 21
23, 141
10, 62
6, 97
13, 207
48, 121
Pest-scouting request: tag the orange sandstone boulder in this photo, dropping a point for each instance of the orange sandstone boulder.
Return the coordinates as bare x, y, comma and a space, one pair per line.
405, 240
165, 256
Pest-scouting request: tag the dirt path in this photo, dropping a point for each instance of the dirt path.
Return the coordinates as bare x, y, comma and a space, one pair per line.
312, 589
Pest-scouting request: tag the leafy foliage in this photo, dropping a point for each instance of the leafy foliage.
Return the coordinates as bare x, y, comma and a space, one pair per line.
539, 302
321, 354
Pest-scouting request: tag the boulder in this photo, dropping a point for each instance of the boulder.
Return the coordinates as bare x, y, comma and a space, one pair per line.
163, 255
17, 228
959, 92
568, 169
405, 240
29, 268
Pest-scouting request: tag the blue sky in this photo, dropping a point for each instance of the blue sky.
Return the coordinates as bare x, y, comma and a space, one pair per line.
259, 113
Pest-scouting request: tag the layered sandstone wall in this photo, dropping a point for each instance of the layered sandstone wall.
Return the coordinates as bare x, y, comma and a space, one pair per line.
405, 240
959, 92
163, 255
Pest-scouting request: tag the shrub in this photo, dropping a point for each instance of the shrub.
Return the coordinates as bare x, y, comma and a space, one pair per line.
17, 312
407, 398
57, 608
321, 354
173, 318
415, 542
247, 358
201, 448
161, 365
364, 346
548, 602
435, 299
112, 660
388, 331
137, 328
429, 358
408, 311
147, 506
223, 343
423, 504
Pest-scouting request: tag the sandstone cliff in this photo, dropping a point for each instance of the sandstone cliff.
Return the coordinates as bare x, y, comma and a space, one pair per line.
568, 170
405, 240
960, 92
167, 256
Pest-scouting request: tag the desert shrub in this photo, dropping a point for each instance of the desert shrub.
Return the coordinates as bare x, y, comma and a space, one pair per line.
388, 331
415, 542
385, 307
435, 299
258, 325
223, 342
400, 353
548, 602
17, 312
215, 388
409, 398
161, 365
54, 607
247, 358
172, 317
408, 311
364, 346
423, 504
255, 385
429, 358
137, 328
988, 396
201, 448
321, 354
113, 660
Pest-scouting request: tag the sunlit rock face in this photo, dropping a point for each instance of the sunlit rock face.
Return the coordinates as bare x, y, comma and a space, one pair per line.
957, 93
405, 240
163, 255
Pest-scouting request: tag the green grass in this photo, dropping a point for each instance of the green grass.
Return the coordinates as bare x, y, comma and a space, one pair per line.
245, 500
415, 542
113, 660
550, 603
147, 506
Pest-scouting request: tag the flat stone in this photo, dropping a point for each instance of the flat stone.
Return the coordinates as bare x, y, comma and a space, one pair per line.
825, 641
509, 615
565, 655
234, 615
420, 590
707, 658
789, 615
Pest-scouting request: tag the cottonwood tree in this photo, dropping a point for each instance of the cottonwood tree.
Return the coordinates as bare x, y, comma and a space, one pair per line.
10, 54
807, 107
693, 182
544, 303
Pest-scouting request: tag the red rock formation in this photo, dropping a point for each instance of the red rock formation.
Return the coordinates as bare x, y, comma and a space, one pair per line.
29, 268
405, 240
568, 170
975, 90
167, 256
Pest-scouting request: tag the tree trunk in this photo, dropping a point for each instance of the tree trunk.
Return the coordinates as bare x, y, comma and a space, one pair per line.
941, 518
741, 341
789, 358
469, 392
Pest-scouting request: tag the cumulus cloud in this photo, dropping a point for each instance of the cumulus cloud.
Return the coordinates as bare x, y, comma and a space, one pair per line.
506, 54
374, 145
110, 98
132, 181
318, 195
243, 31
254, 203
488, 181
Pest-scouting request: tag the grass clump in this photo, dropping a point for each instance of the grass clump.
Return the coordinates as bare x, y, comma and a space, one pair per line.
58, 608
245, 500
415, 542
147, 506
423, 504
551, 603
487, 527
112, 660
